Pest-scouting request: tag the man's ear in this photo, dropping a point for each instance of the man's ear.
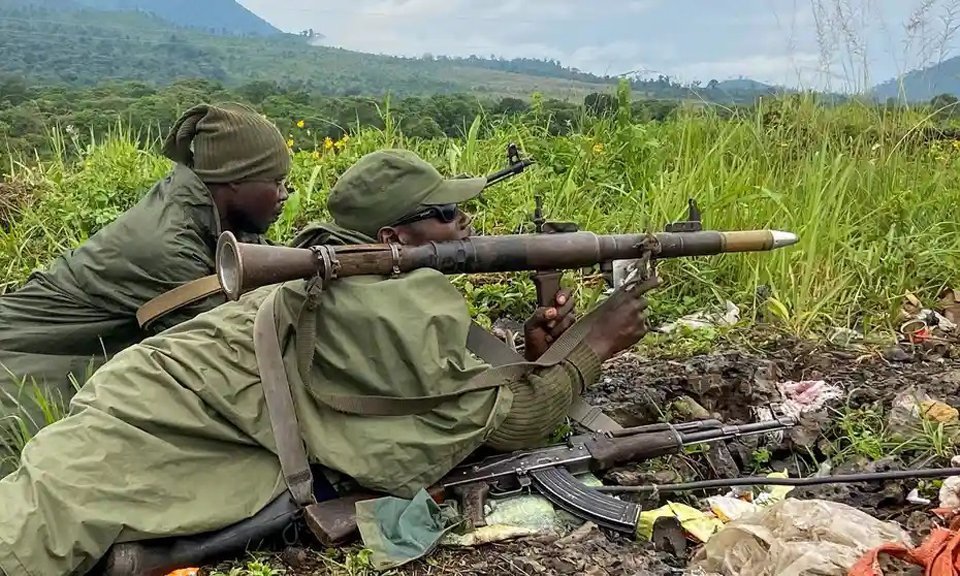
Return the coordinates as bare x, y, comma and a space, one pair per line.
388, 234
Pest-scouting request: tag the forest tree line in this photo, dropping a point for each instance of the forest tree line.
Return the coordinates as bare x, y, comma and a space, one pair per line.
27, 112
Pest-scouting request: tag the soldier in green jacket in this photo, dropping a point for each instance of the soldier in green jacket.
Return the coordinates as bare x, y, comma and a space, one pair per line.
173, 436
66, 321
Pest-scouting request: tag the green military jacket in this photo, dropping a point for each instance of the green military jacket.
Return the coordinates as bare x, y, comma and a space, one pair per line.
172, 436
68, 320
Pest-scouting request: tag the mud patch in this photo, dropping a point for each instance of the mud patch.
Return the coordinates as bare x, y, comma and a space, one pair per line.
586, 551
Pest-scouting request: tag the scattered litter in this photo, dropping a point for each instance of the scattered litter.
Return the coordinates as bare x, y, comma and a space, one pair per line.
185, 572
844, 336
728, 509
796, 537
773, 493
700, 320
807, 396
519, 516
950, 304
698, 524
914, 497
939, 555
949, 495
925, 326
912, 405
938, 411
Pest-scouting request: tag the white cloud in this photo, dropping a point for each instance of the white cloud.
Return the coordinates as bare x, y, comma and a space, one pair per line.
640, 6
769, 40
409, 8
533, 10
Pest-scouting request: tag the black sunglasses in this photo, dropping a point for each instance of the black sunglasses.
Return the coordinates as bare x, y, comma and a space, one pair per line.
446, 213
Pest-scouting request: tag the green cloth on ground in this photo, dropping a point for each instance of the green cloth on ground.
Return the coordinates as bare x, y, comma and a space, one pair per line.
68, 319
398, 531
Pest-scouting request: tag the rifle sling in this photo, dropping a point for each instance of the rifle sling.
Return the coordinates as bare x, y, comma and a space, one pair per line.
283, 416
178, 297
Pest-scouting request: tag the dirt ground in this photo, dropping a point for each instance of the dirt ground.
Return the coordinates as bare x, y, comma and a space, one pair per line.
725, 384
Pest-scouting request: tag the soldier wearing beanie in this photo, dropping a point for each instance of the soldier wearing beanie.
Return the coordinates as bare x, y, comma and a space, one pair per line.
67, 320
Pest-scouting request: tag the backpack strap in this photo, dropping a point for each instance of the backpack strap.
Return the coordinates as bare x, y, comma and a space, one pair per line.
283, 415
177, 298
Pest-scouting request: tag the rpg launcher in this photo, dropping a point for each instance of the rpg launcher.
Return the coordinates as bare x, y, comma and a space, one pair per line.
552, 248
551, 472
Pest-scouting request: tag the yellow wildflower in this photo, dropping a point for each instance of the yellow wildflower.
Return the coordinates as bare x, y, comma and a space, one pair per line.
300, 124
956, 144
316, 154
290, 143
340, 144
327, 143
597, 148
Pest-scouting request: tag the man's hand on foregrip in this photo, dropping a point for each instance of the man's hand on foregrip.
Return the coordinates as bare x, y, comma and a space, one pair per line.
624, 323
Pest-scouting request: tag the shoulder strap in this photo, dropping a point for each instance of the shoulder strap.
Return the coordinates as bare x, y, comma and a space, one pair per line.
283, 416
179, 297
496, 353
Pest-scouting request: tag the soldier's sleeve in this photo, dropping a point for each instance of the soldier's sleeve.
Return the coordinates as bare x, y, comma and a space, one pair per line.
542, 398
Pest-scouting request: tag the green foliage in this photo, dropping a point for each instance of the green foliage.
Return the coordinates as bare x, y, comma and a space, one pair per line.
874, 208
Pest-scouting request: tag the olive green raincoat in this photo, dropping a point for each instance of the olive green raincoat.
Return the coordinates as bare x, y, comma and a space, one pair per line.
66, 321
172, 436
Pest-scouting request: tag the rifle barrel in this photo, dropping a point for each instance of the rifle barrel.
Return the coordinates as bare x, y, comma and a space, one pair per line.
751, 429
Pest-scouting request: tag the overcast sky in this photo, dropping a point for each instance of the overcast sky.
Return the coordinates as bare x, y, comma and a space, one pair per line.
784, 42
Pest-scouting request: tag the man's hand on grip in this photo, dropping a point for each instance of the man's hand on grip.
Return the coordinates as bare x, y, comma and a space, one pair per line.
547, 324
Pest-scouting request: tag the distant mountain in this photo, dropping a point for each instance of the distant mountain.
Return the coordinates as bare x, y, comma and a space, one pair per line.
85, 42
213, 16
922, 85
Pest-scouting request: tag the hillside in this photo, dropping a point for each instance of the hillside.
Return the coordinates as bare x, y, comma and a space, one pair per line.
922, 85
83, 47
213, 16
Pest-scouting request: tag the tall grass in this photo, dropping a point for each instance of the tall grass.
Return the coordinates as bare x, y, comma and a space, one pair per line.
874, 204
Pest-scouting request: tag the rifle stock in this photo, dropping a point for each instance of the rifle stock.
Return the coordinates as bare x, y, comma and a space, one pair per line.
243, 267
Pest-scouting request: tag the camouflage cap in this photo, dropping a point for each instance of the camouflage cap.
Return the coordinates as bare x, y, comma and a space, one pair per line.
384, 186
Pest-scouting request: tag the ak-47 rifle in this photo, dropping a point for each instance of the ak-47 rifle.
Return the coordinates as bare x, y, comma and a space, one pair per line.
550, 472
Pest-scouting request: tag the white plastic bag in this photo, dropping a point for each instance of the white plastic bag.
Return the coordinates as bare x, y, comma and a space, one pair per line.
795, 538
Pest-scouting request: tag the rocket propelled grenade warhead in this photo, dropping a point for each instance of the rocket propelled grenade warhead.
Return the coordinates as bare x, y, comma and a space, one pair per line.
781, 239
243, 267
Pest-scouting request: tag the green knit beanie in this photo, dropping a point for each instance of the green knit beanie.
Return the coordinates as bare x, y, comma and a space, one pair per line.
228, 143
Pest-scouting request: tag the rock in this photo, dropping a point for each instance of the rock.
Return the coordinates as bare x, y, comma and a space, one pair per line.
720, 461
897, 354
686, 409
668, 537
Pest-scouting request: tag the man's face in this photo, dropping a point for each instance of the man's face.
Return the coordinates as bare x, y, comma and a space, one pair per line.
257, 205
434, 224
